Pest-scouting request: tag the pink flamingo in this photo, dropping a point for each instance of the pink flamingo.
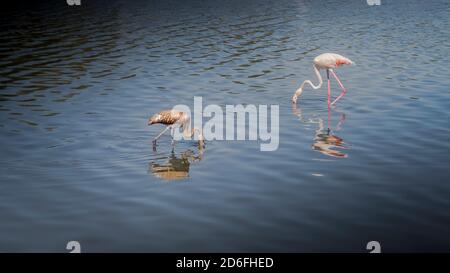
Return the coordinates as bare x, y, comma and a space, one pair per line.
327, 61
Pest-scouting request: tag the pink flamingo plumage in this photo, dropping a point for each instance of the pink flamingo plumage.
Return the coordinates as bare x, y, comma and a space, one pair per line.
327, 61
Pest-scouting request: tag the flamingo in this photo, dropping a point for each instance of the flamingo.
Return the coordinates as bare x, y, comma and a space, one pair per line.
173, 118
327, 61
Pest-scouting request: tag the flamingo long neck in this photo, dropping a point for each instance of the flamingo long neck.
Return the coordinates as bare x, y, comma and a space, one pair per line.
189, 133
300, 90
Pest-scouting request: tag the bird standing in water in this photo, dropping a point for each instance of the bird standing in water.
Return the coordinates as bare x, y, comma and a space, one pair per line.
327, 61
173, 118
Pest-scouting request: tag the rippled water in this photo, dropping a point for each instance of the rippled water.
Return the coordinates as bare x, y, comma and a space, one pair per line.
77, 85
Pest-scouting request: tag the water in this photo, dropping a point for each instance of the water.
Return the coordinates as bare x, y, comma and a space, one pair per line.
77, 85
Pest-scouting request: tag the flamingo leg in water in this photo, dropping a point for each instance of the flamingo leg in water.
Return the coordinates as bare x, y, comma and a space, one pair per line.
329, 98
172, 131
344, 91
161, 133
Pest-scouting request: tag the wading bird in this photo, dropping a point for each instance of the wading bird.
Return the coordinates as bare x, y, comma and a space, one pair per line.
173, 118
327, 61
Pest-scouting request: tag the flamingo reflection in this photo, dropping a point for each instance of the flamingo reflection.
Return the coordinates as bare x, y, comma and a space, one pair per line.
325, 141
175, 166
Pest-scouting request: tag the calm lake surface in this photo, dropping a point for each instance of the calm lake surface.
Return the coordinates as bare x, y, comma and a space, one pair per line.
77, 85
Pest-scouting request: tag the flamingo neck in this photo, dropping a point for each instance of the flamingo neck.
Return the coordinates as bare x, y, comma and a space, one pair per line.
189, 133
300, 90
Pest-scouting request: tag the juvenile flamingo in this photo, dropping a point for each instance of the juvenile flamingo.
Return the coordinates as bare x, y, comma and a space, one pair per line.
173, 118
327, 61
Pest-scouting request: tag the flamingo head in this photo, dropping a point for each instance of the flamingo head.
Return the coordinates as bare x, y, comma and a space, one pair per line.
154, 119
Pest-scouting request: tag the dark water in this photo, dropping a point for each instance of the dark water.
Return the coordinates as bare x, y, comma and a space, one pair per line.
77, 85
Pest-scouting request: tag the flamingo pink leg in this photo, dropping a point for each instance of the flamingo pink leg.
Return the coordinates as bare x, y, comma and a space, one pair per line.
344, 91
329, 99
